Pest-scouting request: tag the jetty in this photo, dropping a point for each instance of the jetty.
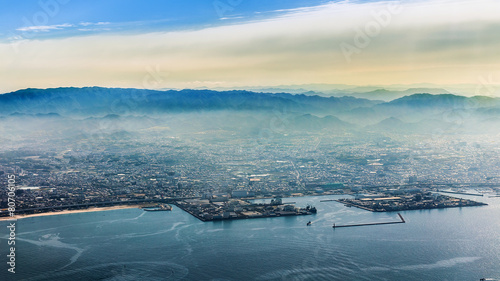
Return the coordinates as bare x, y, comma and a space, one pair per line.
374, 223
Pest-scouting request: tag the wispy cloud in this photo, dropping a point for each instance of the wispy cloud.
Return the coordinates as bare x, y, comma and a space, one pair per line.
231, 18
94, 26
44, 28
435, 41
94, 29
93, 23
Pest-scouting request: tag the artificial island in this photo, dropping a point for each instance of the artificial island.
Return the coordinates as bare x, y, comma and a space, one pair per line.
208, 210
413, 201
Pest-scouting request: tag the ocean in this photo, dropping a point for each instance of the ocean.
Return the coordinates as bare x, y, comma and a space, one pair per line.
130, 244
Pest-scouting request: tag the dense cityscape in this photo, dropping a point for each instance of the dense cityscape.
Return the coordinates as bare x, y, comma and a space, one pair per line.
191, 166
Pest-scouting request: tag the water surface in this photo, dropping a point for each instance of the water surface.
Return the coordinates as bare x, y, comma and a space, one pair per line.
130, 244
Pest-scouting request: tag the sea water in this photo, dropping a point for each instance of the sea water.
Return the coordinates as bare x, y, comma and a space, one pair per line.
130, 244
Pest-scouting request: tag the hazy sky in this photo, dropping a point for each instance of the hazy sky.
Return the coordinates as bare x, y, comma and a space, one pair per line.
186, 44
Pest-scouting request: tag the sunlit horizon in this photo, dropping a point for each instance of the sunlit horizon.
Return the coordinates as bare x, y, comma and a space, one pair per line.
350, 43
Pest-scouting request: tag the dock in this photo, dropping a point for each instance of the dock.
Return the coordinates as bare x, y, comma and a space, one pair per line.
374, 223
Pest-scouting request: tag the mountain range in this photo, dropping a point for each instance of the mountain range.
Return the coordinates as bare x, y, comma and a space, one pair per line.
71, 110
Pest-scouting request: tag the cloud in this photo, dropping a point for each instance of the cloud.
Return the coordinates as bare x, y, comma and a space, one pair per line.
434, 41
93, 23
88, 26
231, 18
93, 29
44, 28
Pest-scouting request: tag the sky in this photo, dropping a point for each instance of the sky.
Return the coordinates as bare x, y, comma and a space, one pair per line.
248, 43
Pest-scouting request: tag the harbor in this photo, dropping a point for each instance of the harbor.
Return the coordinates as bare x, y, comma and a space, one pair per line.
257, 243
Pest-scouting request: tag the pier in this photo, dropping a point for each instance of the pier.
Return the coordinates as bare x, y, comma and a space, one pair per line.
374, 223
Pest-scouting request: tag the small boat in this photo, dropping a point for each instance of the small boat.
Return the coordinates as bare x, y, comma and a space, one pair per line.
309, 223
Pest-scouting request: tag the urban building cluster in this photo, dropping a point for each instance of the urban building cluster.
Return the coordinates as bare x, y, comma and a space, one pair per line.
221, 164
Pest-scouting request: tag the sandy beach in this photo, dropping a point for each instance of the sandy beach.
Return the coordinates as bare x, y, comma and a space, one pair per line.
70, 212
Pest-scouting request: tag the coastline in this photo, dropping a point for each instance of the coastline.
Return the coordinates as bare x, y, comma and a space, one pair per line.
95, 209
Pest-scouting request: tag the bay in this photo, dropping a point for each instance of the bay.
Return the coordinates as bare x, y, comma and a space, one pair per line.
130, 244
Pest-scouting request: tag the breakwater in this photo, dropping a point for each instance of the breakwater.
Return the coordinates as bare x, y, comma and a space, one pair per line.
460, 192
373, 223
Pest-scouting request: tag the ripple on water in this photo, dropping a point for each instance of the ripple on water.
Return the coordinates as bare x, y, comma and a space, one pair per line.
150, 271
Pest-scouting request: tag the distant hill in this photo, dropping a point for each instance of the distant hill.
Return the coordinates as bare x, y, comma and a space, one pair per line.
429, 100
424, 105
99, 101
390, 124
425, 126
67, 111
389, 95
308, 122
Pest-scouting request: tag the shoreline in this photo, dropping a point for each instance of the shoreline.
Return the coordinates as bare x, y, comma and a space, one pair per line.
95, 209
